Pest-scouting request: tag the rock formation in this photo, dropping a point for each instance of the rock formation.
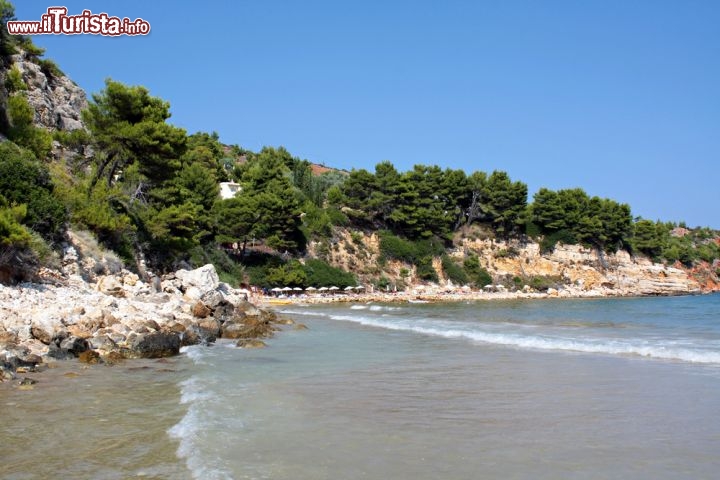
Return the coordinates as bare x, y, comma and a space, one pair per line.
121, 317
575, 270
57, 100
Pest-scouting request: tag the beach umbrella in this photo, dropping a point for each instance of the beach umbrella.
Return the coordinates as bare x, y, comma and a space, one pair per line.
359, 287
323, 289
287, 289
297, 289
333, 288
347, 289
276, 289
311, 289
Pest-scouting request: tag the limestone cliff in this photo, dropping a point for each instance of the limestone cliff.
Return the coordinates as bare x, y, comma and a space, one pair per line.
573, 269
57, 100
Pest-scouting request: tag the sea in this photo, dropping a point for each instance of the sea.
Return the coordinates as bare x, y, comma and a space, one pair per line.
508, 389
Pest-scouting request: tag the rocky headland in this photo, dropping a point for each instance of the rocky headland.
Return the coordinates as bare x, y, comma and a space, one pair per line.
118, 316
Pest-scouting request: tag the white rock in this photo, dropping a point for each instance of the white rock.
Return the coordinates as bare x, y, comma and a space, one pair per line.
204, 279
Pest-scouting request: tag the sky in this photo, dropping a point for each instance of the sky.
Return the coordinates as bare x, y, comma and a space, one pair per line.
619, 98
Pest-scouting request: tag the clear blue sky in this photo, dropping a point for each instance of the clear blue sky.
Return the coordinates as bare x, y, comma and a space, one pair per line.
621, 98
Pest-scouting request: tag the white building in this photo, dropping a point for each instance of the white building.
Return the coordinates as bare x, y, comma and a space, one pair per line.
229, 189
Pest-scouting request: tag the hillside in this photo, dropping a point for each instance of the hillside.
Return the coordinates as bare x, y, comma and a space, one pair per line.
115, 168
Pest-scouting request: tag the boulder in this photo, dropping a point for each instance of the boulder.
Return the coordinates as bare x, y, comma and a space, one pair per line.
46, 329
224, 313
130, 279
246, 308
110, 285
200, 310
79, 330
204, 279
74, 345
155, 345
250, 327
89, 356
213, 299
250, 343
207, 330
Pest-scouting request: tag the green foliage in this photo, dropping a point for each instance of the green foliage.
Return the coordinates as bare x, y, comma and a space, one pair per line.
72, 139
14, 81
24, 180
291, 274
425, 269
453, 271
128, 127
394, 247
336, 217
22, 131
321, 274
541, 283
382, 283
173, 229
476, 274
420, 253
50, 68
99, 210
237, 219
13, 234
649, 237
316, 221
264, 178
7, 42
506, 201
570, 216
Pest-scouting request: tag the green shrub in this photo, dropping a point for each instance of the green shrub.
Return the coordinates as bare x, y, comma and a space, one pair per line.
24, 180
453, 271
358, 238
425, 270
50, 68
542, 284
321, 274
12, 233
397, 248
476, 274
13, 80
337, 217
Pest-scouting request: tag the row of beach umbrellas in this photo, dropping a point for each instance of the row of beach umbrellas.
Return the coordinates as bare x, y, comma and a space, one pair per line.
312, 289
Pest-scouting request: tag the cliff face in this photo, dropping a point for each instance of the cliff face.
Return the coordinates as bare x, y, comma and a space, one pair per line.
584, 269
575, 269
57, 100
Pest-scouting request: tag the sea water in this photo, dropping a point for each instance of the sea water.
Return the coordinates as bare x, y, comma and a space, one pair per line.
541, 389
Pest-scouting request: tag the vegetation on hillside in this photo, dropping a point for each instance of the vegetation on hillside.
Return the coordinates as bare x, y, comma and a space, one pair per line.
150, 192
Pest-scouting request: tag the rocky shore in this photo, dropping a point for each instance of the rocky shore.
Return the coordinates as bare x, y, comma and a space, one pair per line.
120, 317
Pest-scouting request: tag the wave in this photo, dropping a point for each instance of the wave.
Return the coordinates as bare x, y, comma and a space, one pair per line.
189, 430
539, 342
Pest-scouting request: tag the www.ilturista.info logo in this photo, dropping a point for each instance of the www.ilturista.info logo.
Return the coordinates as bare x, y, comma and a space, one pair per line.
57, 22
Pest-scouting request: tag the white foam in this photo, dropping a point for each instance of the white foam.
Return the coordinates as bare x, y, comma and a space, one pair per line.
196, 353
188, 432
539, 342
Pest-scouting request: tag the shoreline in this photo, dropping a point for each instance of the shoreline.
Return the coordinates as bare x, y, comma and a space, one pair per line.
118, 317
441, 297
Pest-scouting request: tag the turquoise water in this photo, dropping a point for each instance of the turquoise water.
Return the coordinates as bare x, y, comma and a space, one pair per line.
586, 389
